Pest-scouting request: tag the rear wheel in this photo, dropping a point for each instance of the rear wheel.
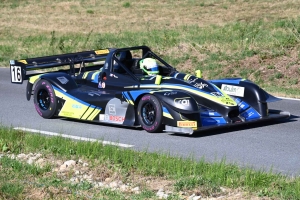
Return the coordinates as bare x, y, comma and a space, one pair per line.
44, 99
150, 113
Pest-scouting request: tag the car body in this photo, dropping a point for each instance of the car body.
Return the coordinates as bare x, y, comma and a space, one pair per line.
108, 86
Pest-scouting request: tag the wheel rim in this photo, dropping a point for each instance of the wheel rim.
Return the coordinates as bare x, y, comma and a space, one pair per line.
43, 99
148, 114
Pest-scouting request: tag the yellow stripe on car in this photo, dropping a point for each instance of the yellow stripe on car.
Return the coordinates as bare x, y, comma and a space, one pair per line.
85, 75
94, 75
186, 77
33, 79
168, 115
73, 108
102, 51
88, 113
23, 61
94, 113
225, 99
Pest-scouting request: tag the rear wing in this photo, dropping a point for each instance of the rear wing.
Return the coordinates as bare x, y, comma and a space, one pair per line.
21, 70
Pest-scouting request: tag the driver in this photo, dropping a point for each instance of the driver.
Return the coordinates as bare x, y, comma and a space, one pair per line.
149, 66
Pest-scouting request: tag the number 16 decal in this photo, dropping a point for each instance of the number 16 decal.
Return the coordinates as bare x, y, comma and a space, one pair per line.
16, 74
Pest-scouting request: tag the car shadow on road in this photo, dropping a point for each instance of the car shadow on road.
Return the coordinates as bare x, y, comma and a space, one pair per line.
201, 133
138, 128
238, 127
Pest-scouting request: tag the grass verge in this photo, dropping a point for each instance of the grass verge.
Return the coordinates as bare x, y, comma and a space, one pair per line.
19, 180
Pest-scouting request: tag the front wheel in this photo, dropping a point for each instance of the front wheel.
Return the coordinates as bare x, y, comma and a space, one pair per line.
150, 113
44, 99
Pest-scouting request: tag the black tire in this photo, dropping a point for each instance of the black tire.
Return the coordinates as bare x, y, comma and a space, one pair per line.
150, 114
45, 101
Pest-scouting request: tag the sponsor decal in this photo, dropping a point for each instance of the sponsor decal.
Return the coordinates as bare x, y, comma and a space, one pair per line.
50, 92
93, 93
106, 66
183, 101
251, 113
101, 117
102, 51
192, 80
200, 85
147, 128
16, 74
116, 118
66, 114
12, 62
112, 109
103, 84
169, 93
217, 94
233, 90
113, 75
76, 106
100, 84
186, 123
228, 101
38, 109
241, 105
62, 80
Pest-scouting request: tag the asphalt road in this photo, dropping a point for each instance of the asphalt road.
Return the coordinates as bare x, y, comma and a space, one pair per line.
265, 146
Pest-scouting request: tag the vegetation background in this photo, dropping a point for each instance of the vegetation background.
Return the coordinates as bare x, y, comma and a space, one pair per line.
252, 39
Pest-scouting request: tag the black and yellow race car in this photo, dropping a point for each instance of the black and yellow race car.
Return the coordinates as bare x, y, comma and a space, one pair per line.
135, 87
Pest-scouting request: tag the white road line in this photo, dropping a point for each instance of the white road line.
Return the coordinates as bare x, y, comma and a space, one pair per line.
74, 137
287, 98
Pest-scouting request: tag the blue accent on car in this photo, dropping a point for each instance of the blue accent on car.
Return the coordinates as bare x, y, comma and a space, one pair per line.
165, 110
95, 80
250, 114
242, 105
229, 81
126, 96
209, 121
209, 113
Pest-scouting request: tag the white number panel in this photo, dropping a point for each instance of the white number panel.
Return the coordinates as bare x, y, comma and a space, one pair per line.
16, 74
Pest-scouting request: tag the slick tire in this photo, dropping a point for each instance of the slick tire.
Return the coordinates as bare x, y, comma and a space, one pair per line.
45, 101
150, 114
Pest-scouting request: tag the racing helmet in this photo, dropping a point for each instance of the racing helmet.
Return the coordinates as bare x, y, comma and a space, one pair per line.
149, 66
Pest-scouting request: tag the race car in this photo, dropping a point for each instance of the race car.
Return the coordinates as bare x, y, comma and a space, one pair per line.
135, 87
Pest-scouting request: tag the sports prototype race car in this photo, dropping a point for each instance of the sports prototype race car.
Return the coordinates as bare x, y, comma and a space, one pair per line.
135, 87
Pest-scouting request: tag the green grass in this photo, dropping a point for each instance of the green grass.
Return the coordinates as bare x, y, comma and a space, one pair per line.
188, 173
232, 42
224, 47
